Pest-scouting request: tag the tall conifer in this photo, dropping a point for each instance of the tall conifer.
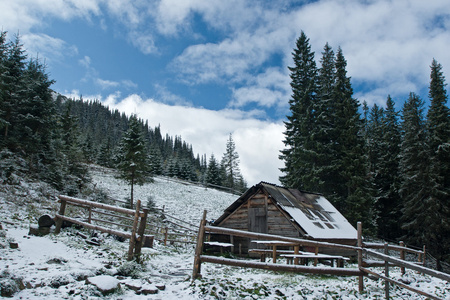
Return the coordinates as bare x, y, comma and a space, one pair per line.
414, 167
133, 158
389, 202
437, 202
296, 156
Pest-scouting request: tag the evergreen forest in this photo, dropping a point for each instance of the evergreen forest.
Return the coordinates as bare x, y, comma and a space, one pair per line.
388, 169
54, 138
385, 167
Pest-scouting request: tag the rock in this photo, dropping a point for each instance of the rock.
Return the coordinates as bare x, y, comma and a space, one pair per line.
57, 260
149, 289
13, 245
38, 231
46, 221
93, 242
148, 241
161, 287
84, 236
105, 284
133, 285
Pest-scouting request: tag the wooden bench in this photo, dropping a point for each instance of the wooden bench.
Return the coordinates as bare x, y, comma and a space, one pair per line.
268, 252
219, 245
304, 256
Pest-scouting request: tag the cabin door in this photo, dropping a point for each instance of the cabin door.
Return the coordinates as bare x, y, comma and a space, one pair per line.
257, 219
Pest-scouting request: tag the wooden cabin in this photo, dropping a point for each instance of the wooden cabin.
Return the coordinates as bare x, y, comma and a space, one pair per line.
268, 208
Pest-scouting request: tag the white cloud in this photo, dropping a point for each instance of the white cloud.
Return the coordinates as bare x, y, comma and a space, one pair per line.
24, 14
267, 89
257, 142
143, 41
47, 47
388, 44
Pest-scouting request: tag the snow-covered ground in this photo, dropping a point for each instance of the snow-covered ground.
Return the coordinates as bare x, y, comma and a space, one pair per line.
57, 266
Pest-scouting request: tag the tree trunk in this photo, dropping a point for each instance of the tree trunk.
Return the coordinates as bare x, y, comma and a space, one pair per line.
131, 197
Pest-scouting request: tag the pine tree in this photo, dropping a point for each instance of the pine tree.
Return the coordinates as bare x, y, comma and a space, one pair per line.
3, 58
414, 188
438, 131
354, 199
230, 161
13, 89
213, 172
133, 161
71, 159
296, 156
323, 133
389, 203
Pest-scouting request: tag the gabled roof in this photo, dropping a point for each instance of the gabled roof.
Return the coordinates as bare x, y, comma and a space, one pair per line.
312, 212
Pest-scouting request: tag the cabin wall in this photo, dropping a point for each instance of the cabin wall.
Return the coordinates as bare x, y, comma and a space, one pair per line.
249, 216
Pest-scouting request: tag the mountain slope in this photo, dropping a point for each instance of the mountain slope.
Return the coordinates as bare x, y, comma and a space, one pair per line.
55, 267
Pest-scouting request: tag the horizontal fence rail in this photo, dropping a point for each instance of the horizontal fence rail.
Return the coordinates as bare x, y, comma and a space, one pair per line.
361, 249
138, 219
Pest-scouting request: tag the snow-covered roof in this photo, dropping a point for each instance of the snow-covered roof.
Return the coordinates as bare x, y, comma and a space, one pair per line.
317, 217
312, 212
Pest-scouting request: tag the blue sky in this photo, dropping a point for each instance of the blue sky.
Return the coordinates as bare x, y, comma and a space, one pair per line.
205, 69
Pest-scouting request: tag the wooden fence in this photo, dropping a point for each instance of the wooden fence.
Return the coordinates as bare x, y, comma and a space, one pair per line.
362, 250
137, 218
171, 229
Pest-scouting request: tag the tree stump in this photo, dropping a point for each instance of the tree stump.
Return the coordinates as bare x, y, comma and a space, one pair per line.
46, 221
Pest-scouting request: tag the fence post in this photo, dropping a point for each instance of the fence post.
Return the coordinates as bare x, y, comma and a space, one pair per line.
90, 215
386, 272
166, 235
199, 247
359, 237
59, 221
133, 231
140, 234
424, 256
402, 257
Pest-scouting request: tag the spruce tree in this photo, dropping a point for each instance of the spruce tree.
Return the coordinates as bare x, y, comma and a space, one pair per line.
414, 188
323, 137
230, 162
296, 155
3, 58
437, 203
13, 89
355, 197
213, 172
389, 203
133, 163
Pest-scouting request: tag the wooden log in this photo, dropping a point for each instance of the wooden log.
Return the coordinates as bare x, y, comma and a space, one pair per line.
46, 221
113, 215
360, 257
59, 220
98, 205
166, 233
133, 231
94, 227
392, 247
386, 272
280, 267
263, 236
140, 234
400, 284
199, 248
148, 241
402, 256
170, 216
109, 222
410, 265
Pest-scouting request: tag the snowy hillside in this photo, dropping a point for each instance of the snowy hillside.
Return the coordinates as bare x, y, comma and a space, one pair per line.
66, 267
